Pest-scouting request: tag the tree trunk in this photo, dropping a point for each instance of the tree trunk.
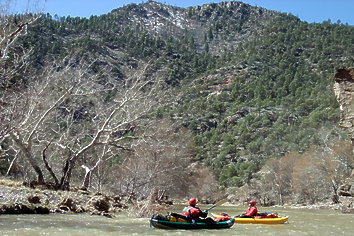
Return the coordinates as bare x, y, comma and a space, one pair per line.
30, 158
49, 168
335, 197
40, 177
66, 178
12, 163
87, 178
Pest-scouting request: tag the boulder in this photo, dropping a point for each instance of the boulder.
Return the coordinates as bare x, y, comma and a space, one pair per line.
20, 208
67, 204
99, 203
34, 199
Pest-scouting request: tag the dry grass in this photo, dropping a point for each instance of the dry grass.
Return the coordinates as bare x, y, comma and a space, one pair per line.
145, 209
11, 183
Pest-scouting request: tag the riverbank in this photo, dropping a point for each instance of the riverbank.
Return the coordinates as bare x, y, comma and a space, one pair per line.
18, 199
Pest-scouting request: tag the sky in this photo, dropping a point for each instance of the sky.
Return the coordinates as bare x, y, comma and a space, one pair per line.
307, 10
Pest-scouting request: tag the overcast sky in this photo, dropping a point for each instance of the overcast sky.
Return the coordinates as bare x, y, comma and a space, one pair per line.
307, 10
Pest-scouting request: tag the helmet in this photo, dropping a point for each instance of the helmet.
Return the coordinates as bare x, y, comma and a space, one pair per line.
253, 203
192, 201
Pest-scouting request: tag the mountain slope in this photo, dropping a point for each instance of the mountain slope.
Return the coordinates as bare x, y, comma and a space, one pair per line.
254, 83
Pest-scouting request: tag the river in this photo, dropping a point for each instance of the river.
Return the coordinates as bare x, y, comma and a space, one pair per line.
301, 222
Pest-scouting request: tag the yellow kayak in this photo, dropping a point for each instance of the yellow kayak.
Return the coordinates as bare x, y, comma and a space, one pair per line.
278, 220
274, 219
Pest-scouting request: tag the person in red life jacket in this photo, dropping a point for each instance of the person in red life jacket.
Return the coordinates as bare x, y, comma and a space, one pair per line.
251, 210
192, 212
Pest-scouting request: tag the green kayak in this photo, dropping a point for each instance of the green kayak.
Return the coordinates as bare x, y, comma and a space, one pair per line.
164, 223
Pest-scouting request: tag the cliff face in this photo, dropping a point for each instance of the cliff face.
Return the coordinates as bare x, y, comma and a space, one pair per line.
344, 91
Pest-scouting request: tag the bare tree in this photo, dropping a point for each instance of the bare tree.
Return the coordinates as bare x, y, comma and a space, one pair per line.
337, 163
310, 177
277, 178
158, 164
12, 62
12, 27
202, 183
71, 111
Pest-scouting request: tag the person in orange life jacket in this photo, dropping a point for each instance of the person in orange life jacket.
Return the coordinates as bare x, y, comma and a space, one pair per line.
251, 211
193, 212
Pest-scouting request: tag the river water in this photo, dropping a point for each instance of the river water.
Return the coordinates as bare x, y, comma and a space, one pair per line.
301, 222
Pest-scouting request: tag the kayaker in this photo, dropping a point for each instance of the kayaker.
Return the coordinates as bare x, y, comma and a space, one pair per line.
251, 210
192, 212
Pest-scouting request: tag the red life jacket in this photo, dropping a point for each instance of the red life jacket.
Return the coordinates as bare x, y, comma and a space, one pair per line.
251, 211
192, 212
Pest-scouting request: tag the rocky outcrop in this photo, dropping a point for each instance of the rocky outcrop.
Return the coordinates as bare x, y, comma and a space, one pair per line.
69, 205
24, 200
21, 208
344, 91
346, 195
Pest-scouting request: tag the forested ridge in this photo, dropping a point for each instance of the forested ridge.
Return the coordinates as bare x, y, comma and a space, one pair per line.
242, 86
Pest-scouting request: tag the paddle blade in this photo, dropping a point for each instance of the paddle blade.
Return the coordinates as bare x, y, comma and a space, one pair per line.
219, 203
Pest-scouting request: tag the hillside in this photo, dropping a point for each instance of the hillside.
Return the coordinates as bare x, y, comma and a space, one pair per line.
250, 84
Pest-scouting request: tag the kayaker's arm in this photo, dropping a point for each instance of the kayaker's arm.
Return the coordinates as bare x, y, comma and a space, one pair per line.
204, 214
